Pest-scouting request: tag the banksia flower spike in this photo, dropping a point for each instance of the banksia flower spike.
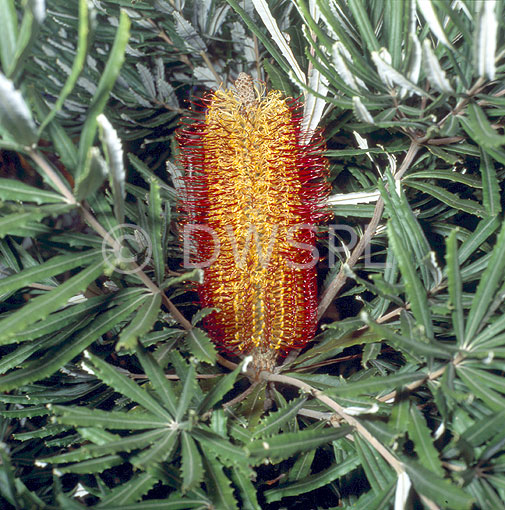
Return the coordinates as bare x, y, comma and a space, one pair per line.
255, 189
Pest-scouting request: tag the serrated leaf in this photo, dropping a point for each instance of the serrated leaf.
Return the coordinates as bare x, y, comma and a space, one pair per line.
286, 445
477, 125
129, 492
490, 281
107, 80
91, 466
219, 390
455, 286
437, 489
247, 491
313, 482
125, 444
41, 306
11, 223
191, 464
226, 451
158, 380
275, 420
481, 387
11, 189
435, 73
490, 185
122, 384
61, 354
188, 392
147, 80
201, 346
155, 214
16, 121
188, 34
87, 417
142, 323
378, 473
92, 176
423, 442
51, 267
219, 487
160, 451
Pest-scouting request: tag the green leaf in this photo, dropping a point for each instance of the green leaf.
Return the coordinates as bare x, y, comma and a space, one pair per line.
480, 388
218, 484
51, 267
219, 390
378, 473
448, 175
61, 354
155, 215
92, 176
91, 466
83, 41
188, 392
360, 12
16, 120
9, 33
274, 421
488, 285
478, 127
11, 223
490, 185
177, 503
226, 451
247, 491
11, 189
129, 492
107, 80
41, 306
201, 346
160, 451
454, 284
87, 417
142, 323
423, 443
313, 482
372, 385
452, 200
191, 464
157, 377
122, 384
124, 444
288, 444
484, 429
413, 286
437, 489
113, 150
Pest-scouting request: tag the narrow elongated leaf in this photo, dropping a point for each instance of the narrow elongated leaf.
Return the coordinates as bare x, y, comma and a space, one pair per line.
83, 40
97, 465
219, 486
125, 444
86, 417
52, 267
247, 491
176, 503
111, 376
479, 128
107, 80
481, 389
192, 469
455, 286
436, 488
286, 445
92, 176
157, 377
41, 306
378, 473
142, 323
274, 421
160, 451
225, 450
485, 429
16, 121
11, 189
12, 223
201, 346
61, 354
423, 443
490, 185
313, 482
130, 491
219, 390
155, 225
413, 286
488, 285
9, 33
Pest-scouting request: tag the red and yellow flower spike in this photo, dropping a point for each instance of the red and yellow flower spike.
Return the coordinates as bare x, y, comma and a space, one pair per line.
254, 191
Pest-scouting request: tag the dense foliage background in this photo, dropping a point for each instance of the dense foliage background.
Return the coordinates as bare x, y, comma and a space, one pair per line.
112, 396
